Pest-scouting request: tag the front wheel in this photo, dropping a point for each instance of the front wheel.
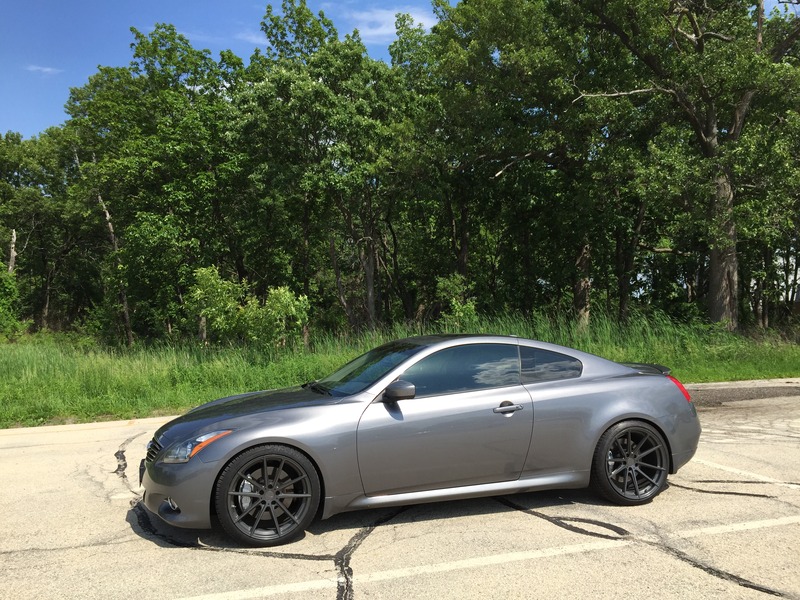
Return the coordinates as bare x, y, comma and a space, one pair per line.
267, 496
630, 463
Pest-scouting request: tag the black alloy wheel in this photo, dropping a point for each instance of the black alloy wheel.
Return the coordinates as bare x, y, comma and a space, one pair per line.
631, 463
267, 496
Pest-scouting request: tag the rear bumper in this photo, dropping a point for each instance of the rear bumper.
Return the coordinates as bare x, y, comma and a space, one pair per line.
686, 445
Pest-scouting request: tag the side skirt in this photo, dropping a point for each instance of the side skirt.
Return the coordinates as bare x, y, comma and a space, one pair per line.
571, 480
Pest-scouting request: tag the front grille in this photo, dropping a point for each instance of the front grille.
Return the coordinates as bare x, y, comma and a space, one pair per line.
153, 450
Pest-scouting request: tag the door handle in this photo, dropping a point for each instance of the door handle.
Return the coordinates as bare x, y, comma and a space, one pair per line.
507, 408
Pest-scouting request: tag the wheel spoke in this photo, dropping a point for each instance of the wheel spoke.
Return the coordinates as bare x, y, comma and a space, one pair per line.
646, 476
635, 482
618, 470
650, 451
275, 519
291, 495
265, 471
250, 509
258, 520
291, 516
283, 486
245, 494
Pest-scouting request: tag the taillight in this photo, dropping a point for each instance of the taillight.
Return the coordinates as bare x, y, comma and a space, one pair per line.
680, 387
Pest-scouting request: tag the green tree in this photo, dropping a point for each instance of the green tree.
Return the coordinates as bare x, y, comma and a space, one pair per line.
719, 65
318, 124
152, 153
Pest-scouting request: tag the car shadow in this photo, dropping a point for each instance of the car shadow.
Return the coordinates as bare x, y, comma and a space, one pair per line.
151, 528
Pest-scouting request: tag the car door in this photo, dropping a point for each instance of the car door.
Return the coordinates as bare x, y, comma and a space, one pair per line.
469, 423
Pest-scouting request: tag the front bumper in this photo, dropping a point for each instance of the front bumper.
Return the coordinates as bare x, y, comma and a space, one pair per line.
179, 494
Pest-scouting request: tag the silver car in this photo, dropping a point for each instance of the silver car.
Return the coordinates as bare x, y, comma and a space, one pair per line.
420, 420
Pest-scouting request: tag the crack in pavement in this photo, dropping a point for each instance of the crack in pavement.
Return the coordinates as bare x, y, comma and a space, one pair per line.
722, 493
713, 571
564, 522
122, 462
344, 583
746, 481
56, 549
342, 559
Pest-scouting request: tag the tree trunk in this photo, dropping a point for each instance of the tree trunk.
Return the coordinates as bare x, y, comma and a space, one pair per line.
623, 280
723, 281
44, 318
368, 266
202, 330
626, 254
340, 291
582, 288
12, 252
123, 296
459, 227
396, 279
463, 242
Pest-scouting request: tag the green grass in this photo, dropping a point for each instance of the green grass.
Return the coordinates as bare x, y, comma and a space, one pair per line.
47, 379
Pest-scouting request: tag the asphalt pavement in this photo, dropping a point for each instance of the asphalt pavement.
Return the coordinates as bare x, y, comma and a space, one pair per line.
72, 526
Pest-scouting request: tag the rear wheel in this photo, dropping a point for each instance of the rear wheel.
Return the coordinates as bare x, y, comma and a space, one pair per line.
630, 463
267, 496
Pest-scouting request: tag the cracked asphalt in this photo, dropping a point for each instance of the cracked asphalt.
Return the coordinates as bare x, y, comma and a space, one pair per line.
728, 527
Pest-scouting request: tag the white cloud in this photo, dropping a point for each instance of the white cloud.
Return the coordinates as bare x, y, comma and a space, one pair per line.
43, 70
377, 24
252, 37
203, 38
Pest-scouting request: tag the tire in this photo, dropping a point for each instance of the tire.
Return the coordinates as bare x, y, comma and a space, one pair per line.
630, 464
267, 496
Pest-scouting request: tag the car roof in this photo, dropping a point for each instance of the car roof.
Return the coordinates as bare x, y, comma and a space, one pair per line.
593, 365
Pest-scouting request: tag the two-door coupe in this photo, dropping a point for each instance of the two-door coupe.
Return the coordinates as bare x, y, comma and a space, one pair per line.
420, 420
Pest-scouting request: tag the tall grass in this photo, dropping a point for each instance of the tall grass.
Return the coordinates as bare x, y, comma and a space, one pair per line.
47, 380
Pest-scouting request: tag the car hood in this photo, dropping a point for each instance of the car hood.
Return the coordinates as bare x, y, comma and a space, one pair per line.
231, 411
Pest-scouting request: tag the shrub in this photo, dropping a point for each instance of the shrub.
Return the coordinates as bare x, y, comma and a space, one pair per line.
11, 326
232, 314
460, 313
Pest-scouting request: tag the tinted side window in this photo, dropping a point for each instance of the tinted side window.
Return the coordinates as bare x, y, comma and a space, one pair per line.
465, 368
542, 365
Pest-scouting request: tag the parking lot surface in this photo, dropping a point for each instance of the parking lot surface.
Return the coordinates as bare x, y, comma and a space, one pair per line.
71, 525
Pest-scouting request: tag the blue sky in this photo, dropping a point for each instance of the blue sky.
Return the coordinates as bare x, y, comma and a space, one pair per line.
49, 46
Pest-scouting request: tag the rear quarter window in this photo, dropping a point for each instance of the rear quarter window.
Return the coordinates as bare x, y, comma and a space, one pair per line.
543, 365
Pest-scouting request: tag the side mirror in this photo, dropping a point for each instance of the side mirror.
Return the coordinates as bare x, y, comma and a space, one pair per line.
399, 390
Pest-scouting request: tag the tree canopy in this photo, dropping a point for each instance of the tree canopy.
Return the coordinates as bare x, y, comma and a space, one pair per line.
520, 156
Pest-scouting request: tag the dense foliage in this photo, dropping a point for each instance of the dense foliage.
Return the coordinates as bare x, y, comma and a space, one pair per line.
522, 156
52, 378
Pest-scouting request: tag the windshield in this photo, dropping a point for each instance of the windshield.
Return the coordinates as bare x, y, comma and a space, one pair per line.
361, 372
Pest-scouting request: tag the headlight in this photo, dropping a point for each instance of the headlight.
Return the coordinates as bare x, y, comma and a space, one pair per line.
181, 453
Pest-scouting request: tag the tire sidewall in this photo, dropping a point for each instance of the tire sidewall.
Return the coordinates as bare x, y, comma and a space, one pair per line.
599, 475
229, 474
